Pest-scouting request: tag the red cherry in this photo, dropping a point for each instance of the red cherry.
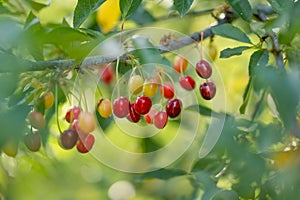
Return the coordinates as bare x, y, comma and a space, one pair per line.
133, 115
167, 89
121, 107
107, 74
86, 144
203, 69
149, 116
142, 105
187, 82
68, 138
160, 119
173, 108
208, 90
72, 114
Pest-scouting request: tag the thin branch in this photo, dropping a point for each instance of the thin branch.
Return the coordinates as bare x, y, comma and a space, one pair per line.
96, 60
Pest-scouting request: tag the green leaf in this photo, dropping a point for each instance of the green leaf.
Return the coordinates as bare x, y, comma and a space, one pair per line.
83, 9
258, 58
3, 10
141, 16
205, 111
128, 7
292, 15
277, 5
226, 195
163, 174
36, 6
226, 53
246, 96
182, 6
232, 32
242, 8
146, 52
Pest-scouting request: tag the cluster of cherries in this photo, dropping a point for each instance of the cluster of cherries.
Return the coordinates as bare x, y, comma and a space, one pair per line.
82, 123
203, 69
141, 106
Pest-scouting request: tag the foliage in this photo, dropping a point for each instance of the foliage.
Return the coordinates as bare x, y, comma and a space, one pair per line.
257, 153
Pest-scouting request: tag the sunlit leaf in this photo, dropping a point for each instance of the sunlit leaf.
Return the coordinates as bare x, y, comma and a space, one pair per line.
128, 7
242, 8
227, 53
232, 32
83, 9
183, 6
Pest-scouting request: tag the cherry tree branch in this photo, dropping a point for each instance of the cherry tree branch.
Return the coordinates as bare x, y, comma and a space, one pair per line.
96, 60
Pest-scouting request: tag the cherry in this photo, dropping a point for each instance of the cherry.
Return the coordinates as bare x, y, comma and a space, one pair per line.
167, 89
208, 90
142, 105
187, 82
68, 138
107, 74
87, 122
72, 114
86, 144
149, 116
160, 119
33, 141
10, 148
150, 87
121, 107
203, 69
48, 99
133, 115
180, 64
135, 84
173, 107
37, 120
104, 108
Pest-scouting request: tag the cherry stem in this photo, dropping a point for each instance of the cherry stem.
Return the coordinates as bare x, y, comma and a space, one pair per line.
162, 90
56, 108
117, 75
82, 94
201, 45
96, 82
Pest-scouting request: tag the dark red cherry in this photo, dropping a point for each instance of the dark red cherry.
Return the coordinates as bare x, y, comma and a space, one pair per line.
208, 90
68, 138
142, 105
187, 82
203, 69
121, 107
33, 141
133, 115
173, 107
160, 119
